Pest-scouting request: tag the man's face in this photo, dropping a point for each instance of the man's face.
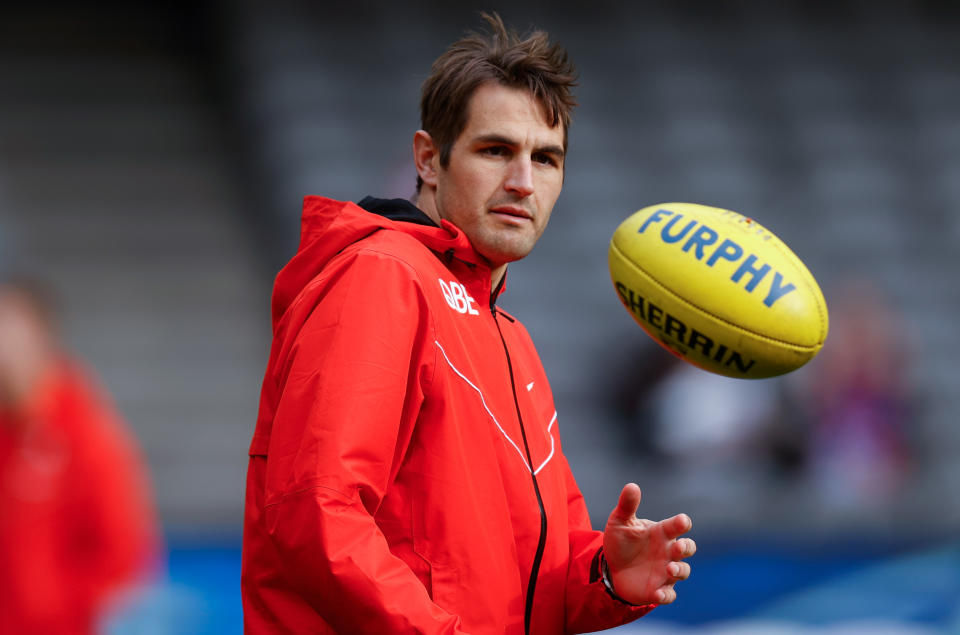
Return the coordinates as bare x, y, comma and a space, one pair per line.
504, 175
25, 348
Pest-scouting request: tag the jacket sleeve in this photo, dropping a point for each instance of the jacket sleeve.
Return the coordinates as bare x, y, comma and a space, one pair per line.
589, 606
351, 387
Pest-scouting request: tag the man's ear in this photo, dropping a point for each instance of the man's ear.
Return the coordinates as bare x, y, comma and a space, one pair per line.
426, 157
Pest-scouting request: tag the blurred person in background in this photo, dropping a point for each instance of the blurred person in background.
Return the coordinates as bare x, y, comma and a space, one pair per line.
77, 526
857, 402
406, 472
716, 436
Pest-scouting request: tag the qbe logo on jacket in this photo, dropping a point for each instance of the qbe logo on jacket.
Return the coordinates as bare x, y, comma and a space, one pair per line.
457, 297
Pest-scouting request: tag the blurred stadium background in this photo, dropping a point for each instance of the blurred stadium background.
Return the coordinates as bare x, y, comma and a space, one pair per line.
152, 163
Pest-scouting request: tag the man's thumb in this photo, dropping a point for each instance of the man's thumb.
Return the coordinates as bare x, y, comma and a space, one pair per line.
626, 509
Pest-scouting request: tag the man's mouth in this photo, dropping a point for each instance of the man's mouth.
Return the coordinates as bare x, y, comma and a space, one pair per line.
515, 212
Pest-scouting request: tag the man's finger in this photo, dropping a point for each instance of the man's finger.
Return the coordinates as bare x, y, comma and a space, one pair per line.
678, 570
679, 524
683, 548
666, 594
629, 502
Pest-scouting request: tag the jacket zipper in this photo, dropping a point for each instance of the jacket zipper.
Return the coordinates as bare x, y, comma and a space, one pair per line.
542, 542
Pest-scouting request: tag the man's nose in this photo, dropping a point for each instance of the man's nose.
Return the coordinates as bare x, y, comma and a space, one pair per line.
519, 178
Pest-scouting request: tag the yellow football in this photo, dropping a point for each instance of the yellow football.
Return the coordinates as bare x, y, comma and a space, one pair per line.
718, 290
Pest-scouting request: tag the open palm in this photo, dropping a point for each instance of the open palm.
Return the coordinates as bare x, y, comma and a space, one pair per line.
645, 557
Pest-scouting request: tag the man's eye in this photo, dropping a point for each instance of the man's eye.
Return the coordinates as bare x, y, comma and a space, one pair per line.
495, 151
544, 158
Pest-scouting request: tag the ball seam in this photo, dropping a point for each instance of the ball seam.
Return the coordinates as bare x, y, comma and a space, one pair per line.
814, 291
797, 263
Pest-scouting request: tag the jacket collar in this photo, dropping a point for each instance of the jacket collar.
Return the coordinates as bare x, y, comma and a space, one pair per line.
327, 227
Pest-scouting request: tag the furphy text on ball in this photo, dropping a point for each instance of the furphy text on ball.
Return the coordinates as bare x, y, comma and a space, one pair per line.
696, 238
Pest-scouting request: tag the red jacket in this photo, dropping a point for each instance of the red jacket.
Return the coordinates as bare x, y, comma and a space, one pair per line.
76, 519
406, 432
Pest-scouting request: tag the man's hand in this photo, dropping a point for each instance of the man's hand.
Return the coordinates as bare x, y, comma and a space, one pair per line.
645, 557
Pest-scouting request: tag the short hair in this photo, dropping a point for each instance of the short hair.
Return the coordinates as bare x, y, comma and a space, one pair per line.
532, 62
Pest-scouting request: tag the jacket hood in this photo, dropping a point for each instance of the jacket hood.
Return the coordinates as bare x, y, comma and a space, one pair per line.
327, 227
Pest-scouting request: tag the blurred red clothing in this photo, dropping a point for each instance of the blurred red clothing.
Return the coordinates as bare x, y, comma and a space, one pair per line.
76, 520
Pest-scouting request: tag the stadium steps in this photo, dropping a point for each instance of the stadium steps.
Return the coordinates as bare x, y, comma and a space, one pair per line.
115, 168
813, 123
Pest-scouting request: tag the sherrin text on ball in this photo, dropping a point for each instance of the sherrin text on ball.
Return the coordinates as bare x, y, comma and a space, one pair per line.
718, 289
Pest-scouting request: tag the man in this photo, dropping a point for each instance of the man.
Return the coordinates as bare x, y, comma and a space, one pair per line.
77, 528
406, 473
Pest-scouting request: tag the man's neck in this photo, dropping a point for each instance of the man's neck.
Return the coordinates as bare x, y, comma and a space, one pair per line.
427, 203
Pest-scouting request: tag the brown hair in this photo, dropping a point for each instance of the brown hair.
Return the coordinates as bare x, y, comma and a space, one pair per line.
501, 56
